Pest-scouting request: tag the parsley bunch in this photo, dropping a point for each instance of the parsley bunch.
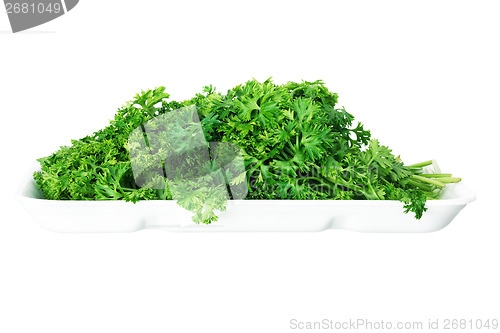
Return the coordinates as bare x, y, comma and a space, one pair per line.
295, 143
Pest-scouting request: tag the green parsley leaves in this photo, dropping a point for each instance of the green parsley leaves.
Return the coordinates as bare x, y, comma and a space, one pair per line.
294, 142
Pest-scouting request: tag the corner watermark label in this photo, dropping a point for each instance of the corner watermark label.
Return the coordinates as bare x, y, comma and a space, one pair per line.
26, 14
363, 324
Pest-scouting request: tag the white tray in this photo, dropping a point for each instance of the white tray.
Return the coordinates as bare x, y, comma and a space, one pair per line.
243, 215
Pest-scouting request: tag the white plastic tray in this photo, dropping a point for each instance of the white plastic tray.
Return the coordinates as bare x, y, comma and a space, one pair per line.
243, 215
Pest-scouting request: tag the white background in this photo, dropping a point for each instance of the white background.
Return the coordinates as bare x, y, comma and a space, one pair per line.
422, 75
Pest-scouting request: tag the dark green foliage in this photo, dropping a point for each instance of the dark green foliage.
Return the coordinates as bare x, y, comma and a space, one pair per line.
296, 144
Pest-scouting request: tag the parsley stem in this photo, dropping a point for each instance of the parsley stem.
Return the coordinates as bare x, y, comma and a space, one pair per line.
421, 164
420, 185
435, 175
450, 180
428, 180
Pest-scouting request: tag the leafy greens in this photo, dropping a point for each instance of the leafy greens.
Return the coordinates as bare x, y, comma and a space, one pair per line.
295, 144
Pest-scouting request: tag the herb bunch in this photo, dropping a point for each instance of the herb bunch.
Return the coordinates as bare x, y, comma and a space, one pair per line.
295, 143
